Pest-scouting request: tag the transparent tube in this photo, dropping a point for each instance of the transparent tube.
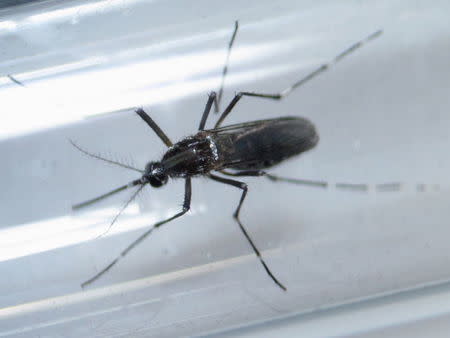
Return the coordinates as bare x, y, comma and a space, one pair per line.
76, 70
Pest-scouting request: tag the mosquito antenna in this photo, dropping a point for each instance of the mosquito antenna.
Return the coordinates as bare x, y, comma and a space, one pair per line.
101, 197
104, 159
127, 250
225, 68
328, 65
123, 208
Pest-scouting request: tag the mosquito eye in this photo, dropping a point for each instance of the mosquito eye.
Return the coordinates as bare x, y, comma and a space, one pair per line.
157, 181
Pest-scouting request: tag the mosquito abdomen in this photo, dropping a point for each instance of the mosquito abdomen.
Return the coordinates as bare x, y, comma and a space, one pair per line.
267, 143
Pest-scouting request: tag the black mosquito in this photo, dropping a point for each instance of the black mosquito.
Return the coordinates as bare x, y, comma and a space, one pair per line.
247, 149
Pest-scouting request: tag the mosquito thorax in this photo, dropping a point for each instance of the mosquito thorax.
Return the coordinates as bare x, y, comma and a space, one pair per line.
155, 174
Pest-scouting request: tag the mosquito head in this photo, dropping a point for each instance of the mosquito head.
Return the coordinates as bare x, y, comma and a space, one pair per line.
155, 174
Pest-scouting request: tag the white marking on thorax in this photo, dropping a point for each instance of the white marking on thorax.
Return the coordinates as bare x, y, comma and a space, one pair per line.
213, 147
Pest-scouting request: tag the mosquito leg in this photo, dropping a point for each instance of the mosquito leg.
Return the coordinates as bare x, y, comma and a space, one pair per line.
186, 207
243, 186
320, 184
212, 98
13, 79
381, 187
244, 173
364, 187
225, 68
152, 124
302, 81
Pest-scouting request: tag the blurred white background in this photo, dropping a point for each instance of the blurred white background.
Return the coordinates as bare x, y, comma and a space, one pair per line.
382, 115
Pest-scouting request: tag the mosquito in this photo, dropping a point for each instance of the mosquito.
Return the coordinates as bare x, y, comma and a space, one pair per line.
238, 150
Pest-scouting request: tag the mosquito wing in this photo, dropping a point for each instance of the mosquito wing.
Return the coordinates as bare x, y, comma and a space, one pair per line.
264, 143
